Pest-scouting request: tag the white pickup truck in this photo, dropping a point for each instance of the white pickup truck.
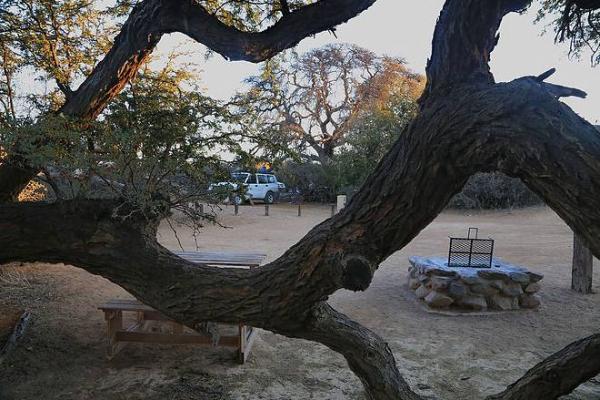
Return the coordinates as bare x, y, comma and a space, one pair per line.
257, 186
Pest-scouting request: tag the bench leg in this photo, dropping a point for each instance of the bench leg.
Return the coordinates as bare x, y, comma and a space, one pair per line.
114, 324
247, 336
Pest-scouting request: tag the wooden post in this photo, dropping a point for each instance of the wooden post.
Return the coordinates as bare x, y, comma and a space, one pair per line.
266, 210
299, 210
236, 208
581, 280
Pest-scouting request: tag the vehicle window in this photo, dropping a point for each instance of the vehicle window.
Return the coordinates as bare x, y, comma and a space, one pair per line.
271, 179
251, 179
262, 178
239, 177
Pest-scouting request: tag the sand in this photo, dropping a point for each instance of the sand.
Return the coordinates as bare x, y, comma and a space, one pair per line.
446, 357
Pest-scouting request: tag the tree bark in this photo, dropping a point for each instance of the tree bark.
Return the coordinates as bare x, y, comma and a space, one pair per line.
558, 374
583, 266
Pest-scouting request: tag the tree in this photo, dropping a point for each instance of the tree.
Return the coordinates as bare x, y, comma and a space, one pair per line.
374, 132
311, 101
576, 21
466, 123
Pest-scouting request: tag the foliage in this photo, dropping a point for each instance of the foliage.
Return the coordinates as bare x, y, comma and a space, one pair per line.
154, 148
575, 21
309, 179
371, 137
251, 15
56, 40
494, 191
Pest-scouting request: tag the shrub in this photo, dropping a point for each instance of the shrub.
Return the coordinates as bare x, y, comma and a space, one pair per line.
494, 191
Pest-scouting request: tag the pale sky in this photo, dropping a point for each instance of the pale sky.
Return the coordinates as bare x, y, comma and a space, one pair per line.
405, 29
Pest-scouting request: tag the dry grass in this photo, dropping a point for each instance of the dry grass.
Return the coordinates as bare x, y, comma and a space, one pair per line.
13, 280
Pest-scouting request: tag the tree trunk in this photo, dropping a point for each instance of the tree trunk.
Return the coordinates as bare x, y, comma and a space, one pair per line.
583, 264
466, 124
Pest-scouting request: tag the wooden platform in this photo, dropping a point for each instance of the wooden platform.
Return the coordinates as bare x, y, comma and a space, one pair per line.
139, 332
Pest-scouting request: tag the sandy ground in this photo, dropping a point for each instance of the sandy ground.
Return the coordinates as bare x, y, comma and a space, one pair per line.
446, 357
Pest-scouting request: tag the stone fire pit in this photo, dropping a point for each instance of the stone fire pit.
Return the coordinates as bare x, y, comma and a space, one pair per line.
502, 287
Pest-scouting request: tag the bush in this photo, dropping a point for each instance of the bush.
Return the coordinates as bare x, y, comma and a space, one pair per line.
494, 191
312, 180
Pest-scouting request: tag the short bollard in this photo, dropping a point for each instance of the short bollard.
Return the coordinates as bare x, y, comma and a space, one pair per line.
201, 208
237, 209
266, 210
299, 210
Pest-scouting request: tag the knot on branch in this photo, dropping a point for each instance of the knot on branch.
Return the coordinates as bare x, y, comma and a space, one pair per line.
558, 91
357, 272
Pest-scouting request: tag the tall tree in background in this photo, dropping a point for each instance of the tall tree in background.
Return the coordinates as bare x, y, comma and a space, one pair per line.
466, 123
376, 128
311, 101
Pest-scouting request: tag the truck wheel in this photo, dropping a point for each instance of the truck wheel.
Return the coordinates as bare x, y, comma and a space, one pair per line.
269, 198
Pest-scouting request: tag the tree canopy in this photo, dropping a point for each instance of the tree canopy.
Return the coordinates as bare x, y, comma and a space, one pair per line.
310, 101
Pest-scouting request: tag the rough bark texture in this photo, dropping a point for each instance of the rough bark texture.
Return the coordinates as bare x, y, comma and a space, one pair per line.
558, 374
583, 266
466, 124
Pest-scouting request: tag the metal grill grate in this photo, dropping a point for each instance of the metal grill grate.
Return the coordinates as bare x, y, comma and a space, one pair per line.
471, 252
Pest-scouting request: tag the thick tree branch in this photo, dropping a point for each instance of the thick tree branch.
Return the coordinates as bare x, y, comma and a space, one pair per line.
191, 18
464, 37
558, 374
367, 354
131, 48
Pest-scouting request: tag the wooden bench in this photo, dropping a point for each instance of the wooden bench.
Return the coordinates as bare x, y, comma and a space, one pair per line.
223, 259
138, 332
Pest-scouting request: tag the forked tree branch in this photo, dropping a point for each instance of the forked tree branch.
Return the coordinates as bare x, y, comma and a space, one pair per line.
465, 36
558, 91
191, 18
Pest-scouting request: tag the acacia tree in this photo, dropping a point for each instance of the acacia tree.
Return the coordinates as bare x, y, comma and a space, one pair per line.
310, 101
466, 123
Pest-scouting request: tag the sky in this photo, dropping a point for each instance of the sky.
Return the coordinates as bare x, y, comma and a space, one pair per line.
405, 29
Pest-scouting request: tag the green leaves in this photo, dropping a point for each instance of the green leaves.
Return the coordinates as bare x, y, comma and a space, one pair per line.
575, 22
58, 42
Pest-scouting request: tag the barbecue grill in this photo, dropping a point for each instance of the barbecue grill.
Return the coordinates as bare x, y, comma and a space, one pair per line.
471, 252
